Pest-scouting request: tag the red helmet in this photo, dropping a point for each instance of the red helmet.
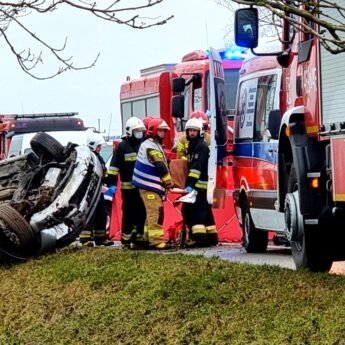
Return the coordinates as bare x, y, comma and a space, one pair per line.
201, 116
147, 120
155, 124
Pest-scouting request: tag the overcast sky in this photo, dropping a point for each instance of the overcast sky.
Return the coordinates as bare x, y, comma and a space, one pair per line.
94, 93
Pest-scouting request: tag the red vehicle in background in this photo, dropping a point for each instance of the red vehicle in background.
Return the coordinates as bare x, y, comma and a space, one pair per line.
16, 124
151, 95
305, 141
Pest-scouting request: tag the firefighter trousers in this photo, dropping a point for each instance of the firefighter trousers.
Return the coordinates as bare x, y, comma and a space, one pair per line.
133, 217
96, 228
200, 221
153, 231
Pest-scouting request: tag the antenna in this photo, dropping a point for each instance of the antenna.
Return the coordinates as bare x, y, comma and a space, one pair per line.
206, 33
111, 115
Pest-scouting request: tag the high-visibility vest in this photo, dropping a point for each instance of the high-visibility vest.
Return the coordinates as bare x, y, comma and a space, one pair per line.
145, 175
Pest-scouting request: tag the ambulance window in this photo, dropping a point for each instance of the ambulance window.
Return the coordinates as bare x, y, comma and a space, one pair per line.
264, 104
231, 77
139, 108
152, 106
245, 112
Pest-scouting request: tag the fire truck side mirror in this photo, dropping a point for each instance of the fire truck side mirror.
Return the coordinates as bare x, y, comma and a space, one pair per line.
247, 27
177, 106
274, 119
178, 84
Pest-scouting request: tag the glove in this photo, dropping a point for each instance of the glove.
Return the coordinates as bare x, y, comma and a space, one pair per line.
110, 192
188, 189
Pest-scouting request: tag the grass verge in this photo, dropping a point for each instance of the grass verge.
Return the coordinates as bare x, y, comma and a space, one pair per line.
104, 296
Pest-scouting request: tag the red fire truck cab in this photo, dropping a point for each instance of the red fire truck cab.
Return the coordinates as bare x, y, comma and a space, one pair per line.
299, 178
17, 124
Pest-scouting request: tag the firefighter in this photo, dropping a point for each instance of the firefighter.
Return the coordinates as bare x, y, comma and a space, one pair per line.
198, 216
182, 145
152, 177
95, 232
122, 162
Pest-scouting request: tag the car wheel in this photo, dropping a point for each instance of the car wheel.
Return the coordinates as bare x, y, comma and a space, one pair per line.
16, 235
44, 145
254, 240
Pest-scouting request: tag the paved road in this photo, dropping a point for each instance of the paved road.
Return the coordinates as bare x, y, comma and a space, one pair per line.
280, 256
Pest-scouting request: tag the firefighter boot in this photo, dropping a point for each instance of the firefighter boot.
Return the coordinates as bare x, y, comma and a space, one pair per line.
101, 238
86, 238
211, 236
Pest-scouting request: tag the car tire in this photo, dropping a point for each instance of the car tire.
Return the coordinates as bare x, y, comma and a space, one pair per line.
16, 235
254, 240
45, 146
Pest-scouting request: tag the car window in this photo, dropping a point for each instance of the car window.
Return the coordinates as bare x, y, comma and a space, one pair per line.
15, 146
106, 152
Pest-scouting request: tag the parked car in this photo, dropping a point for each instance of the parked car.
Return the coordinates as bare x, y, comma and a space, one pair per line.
47, 196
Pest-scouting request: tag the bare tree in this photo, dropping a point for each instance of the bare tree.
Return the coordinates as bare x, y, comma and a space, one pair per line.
13, 13
324, 19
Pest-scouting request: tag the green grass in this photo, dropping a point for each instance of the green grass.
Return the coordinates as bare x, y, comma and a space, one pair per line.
104, 296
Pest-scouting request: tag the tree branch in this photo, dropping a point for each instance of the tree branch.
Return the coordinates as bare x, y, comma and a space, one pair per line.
11, 13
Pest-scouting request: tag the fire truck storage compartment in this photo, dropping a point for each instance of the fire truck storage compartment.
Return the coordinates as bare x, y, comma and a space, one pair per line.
332, 78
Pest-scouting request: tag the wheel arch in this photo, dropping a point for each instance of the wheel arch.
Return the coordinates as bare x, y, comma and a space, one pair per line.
286, 150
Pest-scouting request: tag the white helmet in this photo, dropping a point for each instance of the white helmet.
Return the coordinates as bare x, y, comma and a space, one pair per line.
93, 140
132, 124
197, 124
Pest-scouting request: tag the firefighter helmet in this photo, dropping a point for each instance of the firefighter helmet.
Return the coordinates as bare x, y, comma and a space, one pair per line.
133, 123
155, 124
94, 140
147, 120
201, 116
195, 124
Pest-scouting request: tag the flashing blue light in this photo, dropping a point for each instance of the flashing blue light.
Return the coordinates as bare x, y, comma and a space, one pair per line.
233, 53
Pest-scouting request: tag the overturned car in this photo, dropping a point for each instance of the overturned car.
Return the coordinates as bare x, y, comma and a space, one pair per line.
46, 197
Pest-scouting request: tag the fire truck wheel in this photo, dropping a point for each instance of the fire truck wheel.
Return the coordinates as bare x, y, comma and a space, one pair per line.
16, 235
254, 240
46, 146
309, 247
311, 251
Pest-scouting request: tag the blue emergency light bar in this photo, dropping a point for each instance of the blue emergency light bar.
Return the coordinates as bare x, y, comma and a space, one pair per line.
232, 53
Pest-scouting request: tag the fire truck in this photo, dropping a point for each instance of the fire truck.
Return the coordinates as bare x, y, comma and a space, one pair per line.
16, 124
289, 145
152, 94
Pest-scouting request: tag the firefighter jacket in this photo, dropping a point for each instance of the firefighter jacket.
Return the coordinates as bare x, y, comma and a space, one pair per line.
122, 163
182, 146
151, 168
197, 156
